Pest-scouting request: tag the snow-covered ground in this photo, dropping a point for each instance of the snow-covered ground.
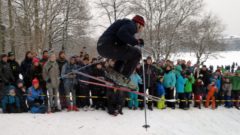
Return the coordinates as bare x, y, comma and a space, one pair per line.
163, 122
222, 58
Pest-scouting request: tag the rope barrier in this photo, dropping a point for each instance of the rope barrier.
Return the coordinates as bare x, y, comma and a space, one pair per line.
141, 100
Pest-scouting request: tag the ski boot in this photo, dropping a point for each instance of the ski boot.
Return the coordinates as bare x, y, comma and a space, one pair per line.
119, 79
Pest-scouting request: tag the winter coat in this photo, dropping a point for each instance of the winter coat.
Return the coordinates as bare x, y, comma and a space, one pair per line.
151, 74
71, 78
97, 73
160, 89
120, 32
212, 90
36, 72
169, 80
26, 66
51, 74
10, 103
22, 98
43, 61
235, 83
136, 79
61, 62
35, 100
15, 67
217, 82
189, 83
6, 74
86, 70
198, 88
180, 82
206, 77
227, 88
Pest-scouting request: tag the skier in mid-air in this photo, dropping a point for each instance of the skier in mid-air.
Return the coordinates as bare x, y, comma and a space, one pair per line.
117, 43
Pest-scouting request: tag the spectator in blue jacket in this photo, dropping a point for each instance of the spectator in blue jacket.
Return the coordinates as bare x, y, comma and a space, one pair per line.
10, 102
169, 82
180, 83
36, 98
133, 102
161, 93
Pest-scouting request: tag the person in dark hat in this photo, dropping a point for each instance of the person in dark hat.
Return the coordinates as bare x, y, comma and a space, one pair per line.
118, 42
151, 74
45, 56
61, 61
70, 83
14, 65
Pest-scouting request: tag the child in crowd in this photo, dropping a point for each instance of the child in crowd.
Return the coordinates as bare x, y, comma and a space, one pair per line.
22, 94
10, 101
133, 102
212, 90
161, 94
198, 91
35, 98
227, 90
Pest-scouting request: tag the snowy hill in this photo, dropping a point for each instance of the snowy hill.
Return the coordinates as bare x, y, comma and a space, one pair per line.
163, 122
232, 43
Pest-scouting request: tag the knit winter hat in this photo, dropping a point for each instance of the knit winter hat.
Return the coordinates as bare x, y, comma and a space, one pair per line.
35, 60
139, 19
10, 54
20, 81
35, 81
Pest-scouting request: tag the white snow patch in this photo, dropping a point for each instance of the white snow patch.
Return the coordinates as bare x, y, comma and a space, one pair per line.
163, 122
221, 58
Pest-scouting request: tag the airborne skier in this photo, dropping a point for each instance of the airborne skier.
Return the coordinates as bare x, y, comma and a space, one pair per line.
117, 43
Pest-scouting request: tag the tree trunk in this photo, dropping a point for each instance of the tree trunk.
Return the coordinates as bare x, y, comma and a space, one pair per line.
50, 37
46, 30
115, 11
65, 30
2, 33
36, 26
11, 26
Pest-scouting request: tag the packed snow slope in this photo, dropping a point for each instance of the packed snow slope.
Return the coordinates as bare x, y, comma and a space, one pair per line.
163, 122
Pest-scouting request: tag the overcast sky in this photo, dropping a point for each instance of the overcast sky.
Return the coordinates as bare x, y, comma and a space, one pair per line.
227, 10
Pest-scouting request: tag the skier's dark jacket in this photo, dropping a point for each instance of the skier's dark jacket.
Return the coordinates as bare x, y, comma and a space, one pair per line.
120, 32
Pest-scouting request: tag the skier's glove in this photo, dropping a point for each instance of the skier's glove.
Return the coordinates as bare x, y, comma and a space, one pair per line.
141, 42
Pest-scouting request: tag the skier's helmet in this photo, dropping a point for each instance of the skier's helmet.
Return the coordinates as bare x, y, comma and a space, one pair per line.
139, 19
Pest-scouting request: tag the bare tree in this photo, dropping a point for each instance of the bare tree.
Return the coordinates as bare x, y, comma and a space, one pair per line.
114, 9
204, 37
165, 20
50, 23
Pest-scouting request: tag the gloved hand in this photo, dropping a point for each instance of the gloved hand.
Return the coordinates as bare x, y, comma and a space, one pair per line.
141, 42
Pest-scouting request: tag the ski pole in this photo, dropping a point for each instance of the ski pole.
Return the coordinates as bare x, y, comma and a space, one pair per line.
144, 89
81, 68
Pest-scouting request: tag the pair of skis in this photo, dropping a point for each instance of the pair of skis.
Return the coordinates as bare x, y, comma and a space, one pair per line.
111, 85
